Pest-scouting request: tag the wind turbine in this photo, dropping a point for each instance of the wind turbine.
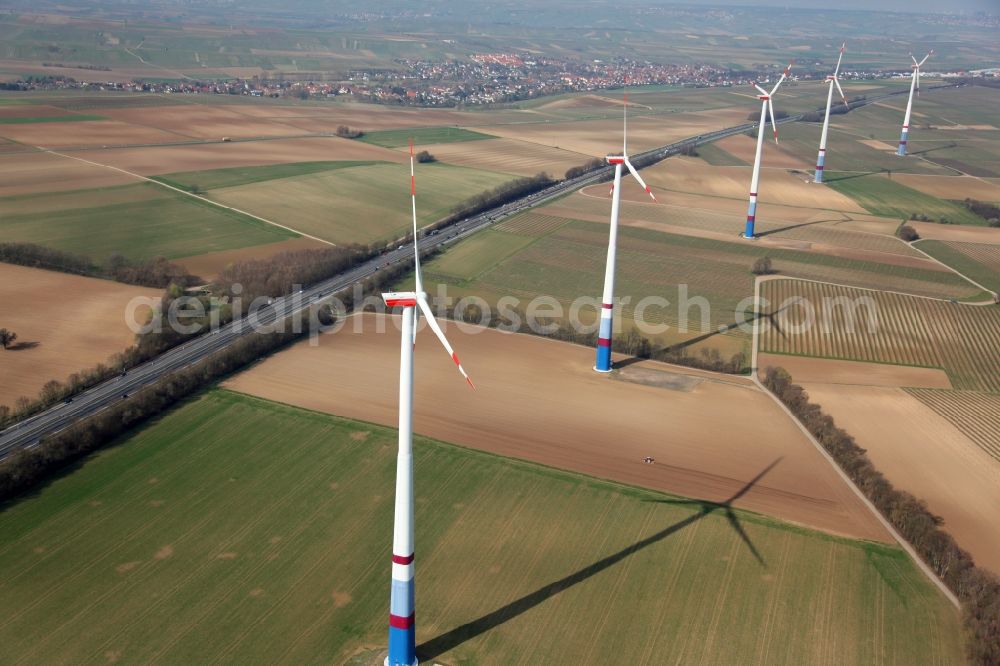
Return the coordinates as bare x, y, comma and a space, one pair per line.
765, 106
607, 302
402, 632
914, 85
832, 80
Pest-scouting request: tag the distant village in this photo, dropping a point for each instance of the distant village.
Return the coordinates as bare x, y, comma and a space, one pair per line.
482, 80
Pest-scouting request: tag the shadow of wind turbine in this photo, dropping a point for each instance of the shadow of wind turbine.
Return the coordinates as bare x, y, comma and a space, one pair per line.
708, 507
450, 640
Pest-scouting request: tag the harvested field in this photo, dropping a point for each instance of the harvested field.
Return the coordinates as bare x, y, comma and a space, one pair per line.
372, 117
855, 373
155, 160
29, 173
774, 156
852, 235
209, 265
952, 187
561, 417
97, 133
596, 138
31, 111
776, 187
924, 454
201, 121
64, 323
977, 415
908, 330
506, 155
360, 204
588, 102
877, 145
253, 527
954, 232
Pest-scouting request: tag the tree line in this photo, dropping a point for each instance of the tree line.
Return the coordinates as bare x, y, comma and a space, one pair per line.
157, 272
28, 467
976, 588
499, 195
268, 278
987, 211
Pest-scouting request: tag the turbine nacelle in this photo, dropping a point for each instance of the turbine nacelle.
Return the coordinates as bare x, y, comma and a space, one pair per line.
418, 299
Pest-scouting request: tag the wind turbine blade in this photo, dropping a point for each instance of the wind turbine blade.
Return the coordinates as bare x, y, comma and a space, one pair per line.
914, 60
734, 521
635, 174
429, 316
784, 75
842, 95
413, 201
761, 90
841, 57
416, 249
625, 123
921, 63
774, 125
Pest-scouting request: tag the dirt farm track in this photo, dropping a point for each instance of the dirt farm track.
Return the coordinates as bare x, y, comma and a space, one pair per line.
539, 400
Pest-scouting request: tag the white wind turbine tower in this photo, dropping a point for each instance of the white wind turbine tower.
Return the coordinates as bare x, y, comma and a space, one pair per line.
832, 80
914, 85
402, 631
603, 363
765, 107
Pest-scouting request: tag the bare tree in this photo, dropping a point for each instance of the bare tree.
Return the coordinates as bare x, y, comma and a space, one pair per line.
7, 337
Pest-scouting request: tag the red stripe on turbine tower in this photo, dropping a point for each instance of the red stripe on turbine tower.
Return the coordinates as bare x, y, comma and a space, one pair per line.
603, 342
398, 622
399, 559
607, 306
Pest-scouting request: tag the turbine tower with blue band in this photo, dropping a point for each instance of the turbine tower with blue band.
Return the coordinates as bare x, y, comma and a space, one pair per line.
765, 106
402, 629
832, 80
606, 329
914, 87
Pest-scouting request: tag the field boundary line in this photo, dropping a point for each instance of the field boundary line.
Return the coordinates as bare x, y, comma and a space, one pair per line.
185, 192
754, 370
957, 272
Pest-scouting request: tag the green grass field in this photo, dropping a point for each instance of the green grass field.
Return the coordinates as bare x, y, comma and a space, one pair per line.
231, 177
361, 204
479, 253
884, 197
238, 530
716, 156
422, 136
139, 221
567, 261
953, 255
49, 119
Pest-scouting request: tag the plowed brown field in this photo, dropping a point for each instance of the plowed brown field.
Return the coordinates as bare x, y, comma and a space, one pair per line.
922, 453
539, 400
65, 323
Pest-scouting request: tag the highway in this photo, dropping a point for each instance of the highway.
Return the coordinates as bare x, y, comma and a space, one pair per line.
28, 432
